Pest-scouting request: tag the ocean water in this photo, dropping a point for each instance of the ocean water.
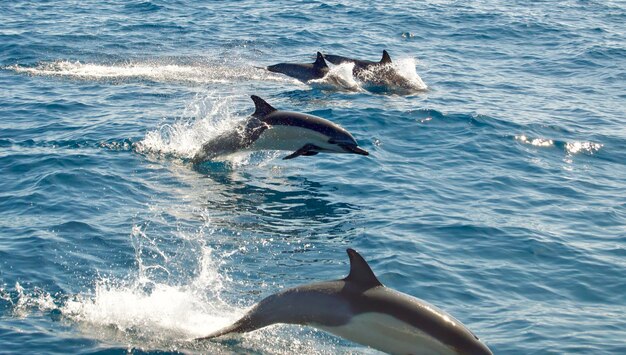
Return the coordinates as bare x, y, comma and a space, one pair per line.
495, 188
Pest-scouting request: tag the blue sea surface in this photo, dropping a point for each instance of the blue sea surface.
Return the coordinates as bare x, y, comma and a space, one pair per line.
496, 193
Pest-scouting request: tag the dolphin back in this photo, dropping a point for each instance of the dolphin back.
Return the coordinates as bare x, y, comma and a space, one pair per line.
302, 71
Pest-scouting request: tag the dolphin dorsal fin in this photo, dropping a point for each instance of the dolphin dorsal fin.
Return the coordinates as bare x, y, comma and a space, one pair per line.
360, 271
261, 108
386, 58
320, 62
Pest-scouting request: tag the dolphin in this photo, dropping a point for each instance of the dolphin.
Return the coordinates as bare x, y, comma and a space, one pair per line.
381, 76
359, 65
359, 308
302, 72
272, 129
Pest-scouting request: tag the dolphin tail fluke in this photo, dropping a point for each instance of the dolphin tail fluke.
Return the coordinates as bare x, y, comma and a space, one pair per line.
386, 58
261, 107
240, 326
320, 62
219, 333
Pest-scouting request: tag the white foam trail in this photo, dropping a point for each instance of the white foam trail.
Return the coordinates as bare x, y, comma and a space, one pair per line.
198, 73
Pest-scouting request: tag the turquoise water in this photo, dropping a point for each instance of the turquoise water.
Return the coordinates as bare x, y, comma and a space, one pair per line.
497, 193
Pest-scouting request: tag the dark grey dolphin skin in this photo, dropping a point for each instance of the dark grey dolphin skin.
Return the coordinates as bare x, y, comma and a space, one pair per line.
302, 72
232, 141
359, 65
361, 309
272, 129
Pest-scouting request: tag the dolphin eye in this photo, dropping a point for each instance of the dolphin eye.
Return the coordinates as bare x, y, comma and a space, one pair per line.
332, 141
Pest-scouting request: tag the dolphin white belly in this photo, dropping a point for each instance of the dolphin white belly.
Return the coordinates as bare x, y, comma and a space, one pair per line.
291, 138
389, 334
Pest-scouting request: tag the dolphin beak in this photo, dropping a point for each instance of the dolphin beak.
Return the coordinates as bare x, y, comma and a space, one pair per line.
355, 149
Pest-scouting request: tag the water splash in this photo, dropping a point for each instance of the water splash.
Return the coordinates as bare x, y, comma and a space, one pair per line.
338, 77
204, 118
150, 311
24, 303
398, 77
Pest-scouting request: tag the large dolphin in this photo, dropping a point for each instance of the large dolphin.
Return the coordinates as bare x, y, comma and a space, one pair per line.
272, 129
359, 65
361, 309
302, 72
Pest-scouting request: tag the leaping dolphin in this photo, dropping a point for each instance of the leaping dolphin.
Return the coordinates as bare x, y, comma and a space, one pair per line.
302, 72
361, 309
272, 129
359, 65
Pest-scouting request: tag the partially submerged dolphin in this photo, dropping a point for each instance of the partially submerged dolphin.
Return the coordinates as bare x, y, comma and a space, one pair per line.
302, 72
359, 65
361, 309
272, 129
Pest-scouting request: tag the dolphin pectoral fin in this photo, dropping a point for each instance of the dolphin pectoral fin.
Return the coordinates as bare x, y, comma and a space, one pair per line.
306, 150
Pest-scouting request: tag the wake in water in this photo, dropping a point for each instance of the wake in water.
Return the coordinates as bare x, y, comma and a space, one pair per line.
398, 77
198, 73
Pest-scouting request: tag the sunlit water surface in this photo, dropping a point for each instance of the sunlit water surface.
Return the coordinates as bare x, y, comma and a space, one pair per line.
495, 188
